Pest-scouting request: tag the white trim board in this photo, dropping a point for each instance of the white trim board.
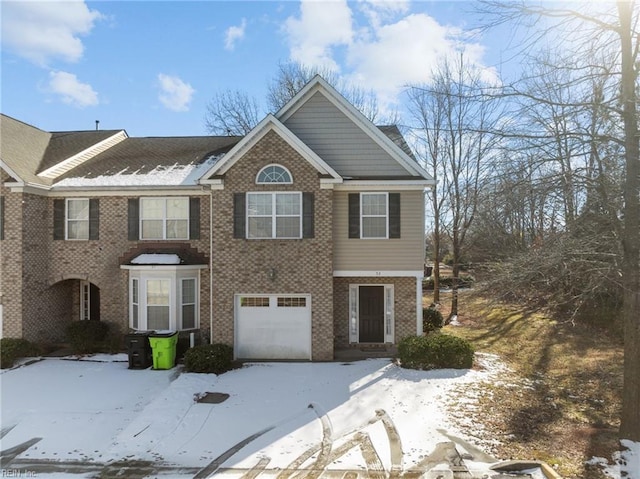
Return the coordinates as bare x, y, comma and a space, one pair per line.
377, 274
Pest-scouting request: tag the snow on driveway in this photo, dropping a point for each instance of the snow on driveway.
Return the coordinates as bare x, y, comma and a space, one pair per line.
364, 415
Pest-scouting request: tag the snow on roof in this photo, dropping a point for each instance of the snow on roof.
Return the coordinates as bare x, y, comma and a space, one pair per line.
171, 175
156, 258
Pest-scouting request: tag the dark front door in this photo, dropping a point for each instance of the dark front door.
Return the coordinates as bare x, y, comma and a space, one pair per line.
371, 309
94, 302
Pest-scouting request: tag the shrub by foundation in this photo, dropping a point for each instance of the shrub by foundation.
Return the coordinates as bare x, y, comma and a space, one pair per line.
209, 358
432, 320
15, 348
435, 351
87, 337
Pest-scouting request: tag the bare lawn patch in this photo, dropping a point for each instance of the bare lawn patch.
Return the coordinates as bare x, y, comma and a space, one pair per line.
563, 401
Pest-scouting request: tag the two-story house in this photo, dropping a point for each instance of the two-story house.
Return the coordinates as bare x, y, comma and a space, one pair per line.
305, 236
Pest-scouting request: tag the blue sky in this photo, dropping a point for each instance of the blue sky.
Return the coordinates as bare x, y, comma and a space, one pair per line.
152, 67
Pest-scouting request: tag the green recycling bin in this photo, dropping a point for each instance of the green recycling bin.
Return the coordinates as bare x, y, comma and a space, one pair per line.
163, 349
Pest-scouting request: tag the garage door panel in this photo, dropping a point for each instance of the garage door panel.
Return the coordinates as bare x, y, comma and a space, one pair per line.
281, 330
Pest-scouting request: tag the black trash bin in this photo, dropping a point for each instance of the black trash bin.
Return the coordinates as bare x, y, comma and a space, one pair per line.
139, 349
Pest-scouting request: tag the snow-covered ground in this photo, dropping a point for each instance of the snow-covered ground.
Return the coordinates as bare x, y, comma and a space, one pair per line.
363, 416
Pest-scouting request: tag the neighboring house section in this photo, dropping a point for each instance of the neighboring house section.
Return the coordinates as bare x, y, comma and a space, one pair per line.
303, 237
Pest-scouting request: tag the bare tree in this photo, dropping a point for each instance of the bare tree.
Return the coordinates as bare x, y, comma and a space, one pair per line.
457, 120
428, 110
292, 76
234, 112
602, 29
231, 112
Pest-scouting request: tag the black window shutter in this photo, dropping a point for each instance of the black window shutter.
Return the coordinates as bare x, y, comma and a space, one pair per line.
354, 215
308, 209
1, 217
94, 219
394, 215
239, 215
134, 219
58, 219
194, 218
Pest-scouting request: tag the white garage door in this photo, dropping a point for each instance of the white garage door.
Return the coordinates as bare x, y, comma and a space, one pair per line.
273, 327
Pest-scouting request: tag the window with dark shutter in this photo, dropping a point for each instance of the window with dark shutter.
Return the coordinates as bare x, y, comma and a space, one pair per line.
194, 218
133, 219
354, 215
94, 219
394, 215
58, 219
239, 220
308, 210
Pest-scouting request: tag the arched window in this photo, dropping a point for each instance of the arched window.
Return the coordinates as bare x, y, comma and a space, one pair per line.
274, 174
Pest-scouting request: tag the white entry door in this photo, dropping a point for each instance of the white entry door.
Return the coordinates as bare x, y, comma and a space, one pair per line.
273, 327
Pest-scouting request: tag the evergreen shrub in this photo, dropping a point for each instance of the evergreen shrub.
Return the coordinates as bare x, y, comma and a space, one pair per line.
209, 358
86, 337
432, 320
435, 351
15, 348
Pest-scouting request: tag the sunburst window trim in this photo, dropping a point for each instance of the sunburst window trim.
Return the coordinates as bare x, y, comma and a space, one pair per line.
274, 174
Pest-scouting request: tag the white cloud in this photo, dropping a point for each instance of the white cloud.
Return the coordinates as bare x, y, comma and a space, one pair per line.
321, 26
174, 93
43, 31
71, 90
400, 53
234, 34
386, 47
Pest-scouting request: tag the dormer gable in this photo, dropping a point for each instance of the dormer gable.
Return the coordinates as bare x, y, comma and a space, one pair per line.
214, 176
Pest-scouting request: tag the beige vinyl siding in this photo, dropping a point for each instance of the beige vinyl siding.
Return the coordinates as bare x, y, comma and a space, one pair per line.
402, 254
339, 141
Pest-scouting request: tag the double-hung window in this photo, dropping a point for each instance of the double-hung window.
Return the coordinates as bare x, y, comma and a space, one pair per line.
188, 302
374, 215
76, 219
164, 218
274, 215
77, 224
158, 303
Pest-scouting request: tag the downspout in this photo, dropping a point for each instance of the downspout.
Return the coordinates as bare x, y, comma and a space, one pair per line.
419, 330
210, 266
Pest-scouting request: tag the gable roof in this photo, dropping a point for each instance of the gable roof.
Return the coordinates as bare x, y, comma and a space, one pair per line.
36, 157
70, 148
22, 148
150, 161
396, 152
269, 123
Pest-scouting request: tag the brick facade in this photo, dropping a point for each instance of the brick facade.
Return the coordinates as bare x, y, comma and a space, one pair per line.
11, 262
404, 298
41, 276
302, 266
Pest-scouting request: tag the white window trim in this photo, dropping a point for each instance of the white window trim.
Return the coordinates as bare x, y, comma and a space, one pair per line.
164, 218
273, 215
274, 182
354, 313
196, 309
175, 275
133, 303
67, 220
386, 215
85, 300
